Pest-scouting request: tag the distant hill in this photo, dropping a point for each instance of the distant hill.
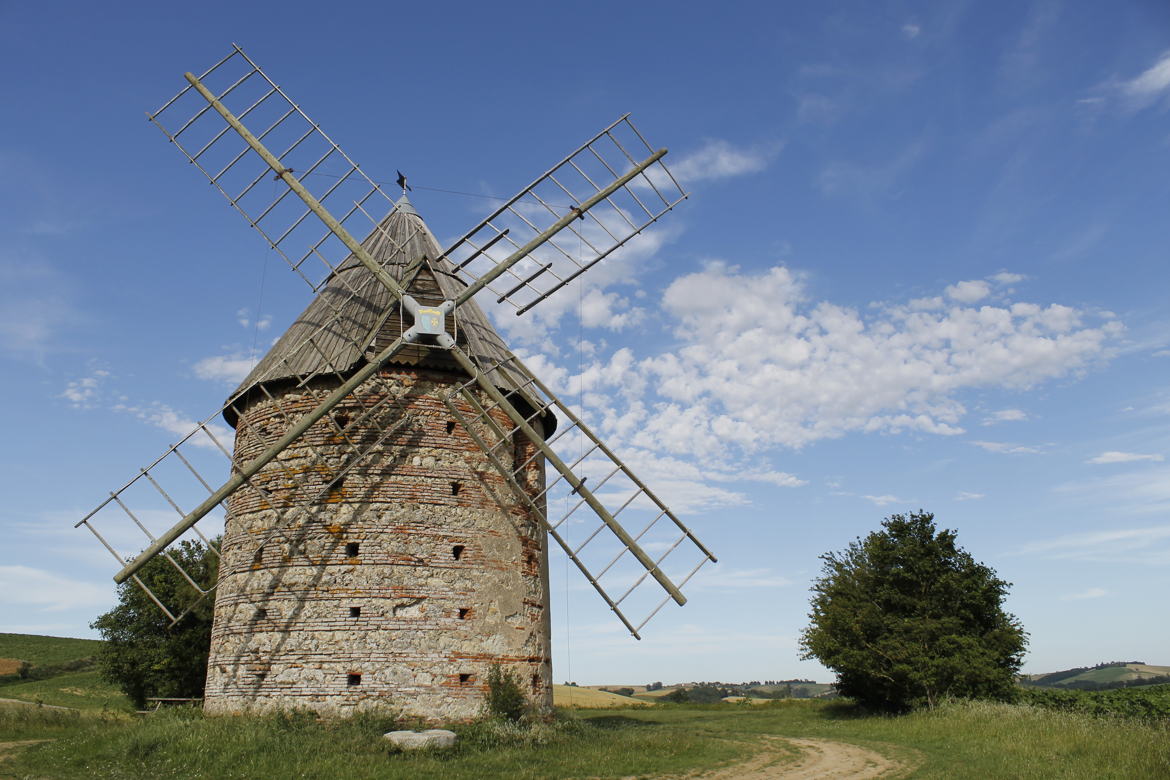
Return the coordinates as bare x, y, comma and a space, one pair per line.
55, 670
34, 657
41, 651
1102, 676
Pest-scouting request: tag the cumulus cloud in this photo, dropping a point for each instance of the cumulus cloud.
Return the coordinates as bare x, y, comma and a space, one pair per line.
1113, 456
911, 30
230, 369
81, 393
968, 292
760, 364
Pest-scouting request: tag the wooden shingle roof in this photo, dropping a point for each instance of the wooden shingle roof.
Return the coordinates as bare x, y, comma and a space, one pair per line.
355, 316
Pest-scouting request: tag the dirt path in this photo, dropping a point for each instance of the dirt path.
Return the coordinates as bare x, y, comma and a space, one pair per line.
35, 704
817, 758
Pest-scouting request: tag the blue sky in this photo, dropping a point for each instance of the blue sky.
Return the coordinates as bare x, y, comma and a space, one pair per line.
923, 265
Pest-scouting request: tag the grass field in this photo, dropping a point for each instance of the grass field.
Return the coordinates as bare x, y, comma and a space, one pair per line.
595, 738
80, 690
653, 695
588, 698
46, 650
960, 740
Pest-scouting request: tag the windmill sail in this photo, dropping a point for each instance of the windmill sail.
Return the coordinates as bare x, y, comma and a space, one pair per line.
314, 251
592, 490
598, 232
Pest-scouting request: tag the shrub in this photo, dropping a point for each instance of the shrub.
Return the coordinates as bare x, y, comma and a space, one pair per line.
504, 698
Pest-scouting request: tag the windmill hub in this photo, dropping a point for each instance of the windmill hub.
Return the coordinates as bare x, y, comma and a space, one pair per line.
428, 320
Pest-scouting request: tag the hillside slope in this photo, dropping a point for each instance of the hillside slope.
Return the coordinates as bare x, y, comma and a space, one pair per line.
1102, 676
46, 650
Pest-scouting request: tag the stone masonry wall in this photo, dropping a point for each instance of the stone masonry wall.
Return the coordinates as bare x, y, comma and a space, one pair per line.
397, 587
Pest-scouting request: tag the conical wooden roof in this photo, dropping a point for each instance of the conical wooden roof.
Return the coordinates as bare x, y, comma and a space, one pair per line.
355, 316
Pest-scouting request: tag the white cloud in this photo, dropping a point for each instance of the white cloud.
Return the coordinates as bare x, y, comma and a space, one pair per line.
81, 393
1090, 593
25, 586
244, 317
36, 304
164, 417
718, 159
1004, 277
759, 364
230, 368
1128, 544
719, 578
1151, 82
966, 496
867, 180
1005, 448
1005, 415
1113, 456
884, 499
607, 310
911, 30
968, 292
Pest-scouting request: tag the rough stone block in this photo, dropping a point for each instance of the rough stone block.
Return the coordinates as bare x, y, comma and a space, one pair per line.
413, 740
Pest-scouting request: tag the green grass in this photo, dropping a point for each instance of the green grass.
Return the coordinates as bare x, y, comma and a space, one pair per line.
958, 740
46, 650
82, 690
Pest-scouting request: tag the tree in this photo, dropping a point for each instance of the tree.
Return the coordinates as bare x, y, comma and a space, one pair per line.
143, 655
906, 618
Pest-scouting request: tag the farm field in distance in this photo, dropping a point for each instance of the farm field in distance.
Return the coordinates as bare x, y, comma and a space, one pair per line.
100, 738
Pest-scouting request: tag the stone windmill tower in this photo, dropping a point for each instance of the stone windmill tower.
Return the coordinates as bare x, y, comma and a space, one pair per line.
387, 517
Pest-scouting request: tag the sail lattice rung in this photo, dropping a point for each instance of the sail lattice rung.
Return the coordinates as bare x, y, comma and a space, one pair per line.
624, 566
617, 228
251, 185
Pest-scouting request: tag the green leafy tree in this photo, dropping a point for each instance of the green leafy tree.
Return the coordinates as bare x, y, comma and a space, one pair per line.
143, 654
907, 618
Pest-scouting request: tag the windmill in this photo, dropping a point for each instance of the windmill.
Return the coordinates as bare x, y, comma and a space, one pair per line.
387, 517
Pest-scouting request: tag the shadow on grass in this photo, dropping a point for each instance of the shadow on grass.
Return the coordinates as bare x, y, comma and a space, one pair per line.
613, 722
